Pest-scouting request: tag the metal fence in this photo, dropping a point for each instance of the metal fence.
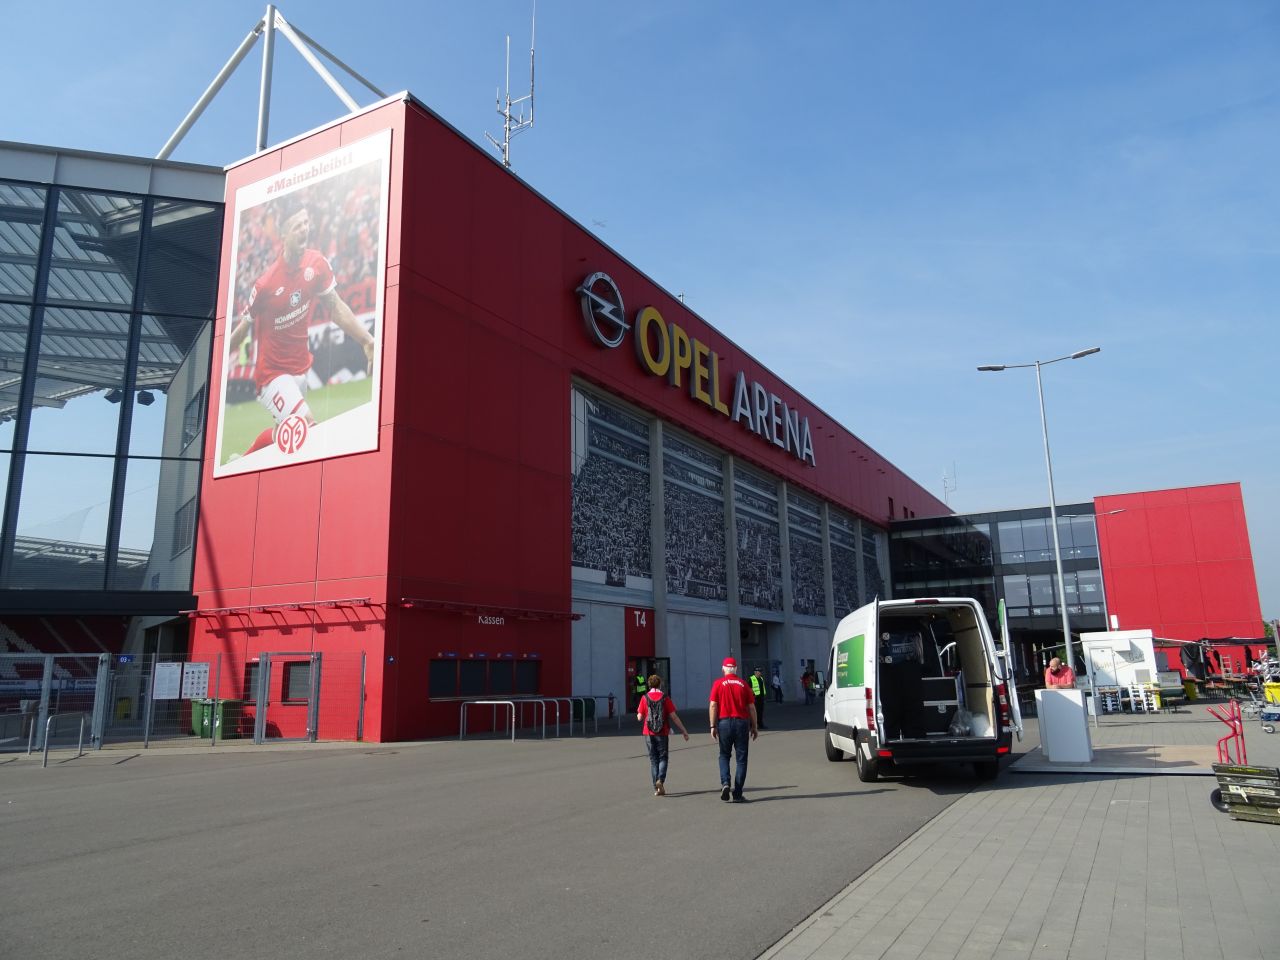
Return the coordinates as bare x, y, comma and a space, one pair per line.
35, 687
276, 696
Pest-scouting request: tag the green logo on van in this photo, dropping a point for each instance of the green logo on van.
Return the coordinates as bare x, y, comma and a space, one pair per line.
849, 662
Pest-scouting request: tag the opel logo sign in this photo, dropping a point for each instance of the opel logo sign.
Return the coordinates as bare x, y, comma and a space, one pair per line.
602, 310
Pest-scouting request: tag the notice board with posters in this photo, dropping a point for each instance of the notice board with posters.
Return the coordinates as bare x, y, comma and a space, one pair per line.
167, 682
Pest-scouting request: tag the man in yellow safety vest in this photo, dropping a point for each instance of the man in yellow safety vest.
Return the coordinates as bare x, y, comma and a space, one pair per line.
760, 691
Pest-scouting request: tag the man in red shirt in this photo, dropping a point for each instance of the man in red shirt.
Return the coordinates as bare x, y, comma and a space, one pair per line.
733, 720
279, 312
1059, 675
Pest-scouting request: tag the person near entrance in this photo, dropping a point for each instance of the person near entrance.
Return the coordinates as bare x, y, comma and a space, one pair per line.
1059, 674
733, 723
657, 712
776, 682
641, 686
760, 692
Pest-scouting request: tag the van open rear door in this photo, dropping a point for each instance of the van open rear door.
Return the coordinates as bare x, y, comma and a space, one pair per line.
855, 648
1004, 663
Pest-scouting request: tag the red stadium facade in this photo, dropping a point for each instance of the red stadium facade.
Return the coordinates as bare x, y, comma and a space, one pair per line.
444, 555
1178, 562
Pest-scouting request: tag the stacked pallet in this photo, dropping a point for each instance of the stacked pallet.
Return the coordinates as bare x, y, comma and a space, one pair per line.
1248, 793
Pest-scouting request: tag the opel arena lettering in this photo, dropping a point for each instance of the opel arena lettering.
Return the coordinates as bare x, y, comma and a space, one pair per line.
665, 349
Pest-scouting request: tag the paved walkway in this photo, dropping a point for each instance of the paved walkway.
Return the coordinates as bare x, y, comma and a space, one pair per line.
1082, 866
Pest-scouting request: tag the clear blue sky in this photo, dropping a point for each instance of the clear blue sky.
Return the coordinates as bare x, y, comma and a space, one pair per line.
871, 197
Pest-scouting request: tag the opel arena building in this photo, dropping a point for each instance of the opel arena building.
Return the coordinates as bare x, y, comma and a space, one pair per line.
362, 428
374, 428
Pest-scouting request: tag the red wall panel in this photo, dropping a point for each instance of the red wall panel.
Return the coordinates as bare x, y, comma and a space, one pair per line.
1229, 593
224, 535
284, 537
1131, 596
1217, 527
1178, 562
432, 336
354, 516
492, 504
430, 487
1169, 533
542, 551
1178, 593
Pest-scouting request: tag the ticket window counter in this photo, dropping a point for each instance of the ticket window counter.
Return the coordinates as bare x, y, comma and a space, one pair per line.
638, 672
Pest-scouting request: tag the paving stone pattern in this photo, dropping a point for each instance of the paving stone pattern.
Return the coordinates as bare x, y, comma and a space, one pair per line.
1091, 867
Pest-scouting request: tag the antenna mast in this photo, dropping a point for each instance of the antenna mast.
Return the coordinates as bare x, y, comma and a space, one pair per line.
948, 484
513, 123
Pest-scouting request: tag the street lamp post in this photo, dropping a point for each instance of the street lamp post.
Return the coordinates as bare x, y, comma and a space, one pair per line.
1048, 462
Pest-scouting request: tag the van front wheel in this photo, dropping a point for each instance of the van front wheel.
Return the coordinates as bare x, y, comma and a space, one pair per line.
868, 769
834, 753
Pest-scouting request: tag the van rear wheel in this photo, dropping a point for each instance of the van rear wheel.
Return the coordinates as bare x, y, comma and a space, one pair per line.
834, 753
868, 768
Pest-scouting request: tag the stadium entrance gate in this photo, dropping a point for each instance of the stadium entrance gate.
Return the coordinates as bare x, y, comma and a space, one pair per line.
645, 667
761, 647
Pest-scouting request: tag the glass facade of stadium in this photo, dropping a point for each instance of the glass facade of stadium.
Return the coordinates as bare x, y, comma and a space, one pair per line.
108, 274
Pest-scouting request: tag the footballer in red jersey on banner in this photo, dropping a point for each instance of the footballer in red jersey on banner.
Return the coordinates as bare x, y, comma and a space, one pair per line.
302, 367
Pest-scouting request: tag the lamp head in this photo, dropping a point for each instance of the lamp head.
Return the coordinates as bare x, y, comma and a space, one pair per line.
991, 367
1084, 353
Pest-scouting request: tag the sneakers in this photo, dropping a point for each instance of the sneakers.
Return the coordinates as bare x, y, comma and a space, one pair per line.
739, 798
659, 789
724, 793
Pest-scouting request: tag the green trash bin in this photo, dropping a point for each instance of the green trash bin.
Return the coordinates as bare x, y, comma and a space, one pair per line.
200, 717
230, 714
226, 715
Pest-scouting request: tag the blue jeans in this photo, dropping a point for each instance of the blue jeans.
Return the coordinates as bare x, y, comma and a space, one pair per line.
657, 747
734, 734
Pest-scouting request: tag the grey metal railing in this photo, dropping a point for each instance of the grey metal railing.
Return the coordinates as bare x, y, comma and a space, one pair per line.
462, 714
48, 726
516, 706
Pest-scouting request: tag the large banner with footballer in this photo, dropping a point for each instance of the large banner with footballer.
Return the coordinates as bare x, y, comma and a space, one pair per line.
303, 361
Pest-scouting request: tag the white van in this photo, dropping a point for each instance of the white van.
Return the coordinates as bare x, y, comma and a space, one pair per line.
917, 682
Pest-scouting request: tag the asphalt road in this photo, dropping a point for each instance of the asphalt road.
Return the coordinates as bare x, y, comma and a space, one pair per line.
471, 850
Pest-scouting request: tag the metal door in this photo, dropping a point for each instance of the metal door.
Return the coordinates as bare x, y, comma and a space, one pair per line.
287, 697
